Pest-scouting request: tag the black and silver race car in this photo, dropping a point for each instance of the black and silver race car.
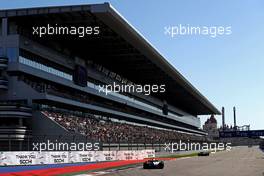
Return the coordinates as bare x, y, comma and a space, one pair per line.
204, 153
153, 164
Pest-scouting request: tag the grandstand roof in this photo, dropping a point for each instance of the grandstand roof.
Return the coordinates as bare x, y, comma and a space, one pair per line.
121, 48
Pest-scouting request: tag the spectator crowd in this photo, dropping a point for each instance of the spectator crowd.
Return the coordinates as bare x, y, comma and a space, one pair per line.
109, 131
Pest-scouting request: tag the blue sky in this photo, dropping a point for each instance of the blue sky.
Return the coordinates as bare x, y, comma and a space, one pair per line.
228, 70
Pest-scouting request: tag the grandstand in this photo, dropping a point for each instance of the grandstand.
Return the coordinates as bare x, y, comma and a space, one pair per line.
49, 85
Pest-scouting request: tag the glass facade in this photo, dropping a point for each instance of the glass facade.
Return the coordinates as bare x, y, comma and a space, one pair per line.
44, 68
92, 85
67, 76
1, 27
12, 54
1, 51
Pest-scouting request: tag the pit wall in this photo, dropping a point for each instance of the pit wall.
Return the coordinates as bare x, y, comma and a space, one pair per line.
37, 158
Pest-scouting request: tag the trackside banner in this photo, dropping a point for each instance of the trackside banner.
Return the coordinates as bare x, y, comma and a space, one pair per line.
35, 158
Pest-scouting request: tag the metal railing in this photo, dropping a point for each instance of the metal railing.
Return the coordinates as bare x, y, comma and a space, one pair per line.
13, 143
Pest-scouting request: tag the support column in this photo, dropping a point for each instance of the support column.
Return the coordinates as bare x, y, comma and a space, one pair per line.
234, 109
223, 118
4, 27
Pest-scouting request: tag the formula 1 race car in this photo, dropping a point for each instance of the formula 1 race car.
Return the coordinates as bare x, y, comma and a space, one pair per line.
204, 153
153, 164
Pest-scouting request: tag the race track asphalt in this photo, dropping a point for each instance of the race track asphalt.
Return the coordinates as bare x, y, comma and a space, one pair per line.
240, 161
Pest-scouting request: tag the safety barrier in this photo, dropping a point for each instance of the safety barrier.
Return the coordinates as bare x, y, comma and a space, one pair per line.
36, 158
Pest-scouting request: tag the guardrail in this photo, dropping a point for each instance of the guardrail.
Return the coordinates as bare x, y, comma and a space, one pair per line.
15, 143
